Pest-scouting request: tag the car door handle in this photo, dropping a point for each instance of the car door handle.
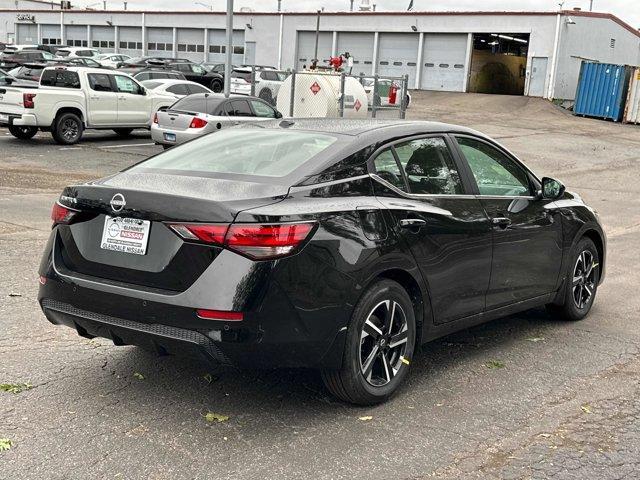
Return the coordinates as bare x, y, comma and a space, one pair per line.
412, 223
501, 222
94, 97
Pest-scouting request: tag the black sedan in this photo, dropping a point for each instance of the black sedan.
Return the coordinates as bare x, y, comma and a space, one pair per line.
336, 245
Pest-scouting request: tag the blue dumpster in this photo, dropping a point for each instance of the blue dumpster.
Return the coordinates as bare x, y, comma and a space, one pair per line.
602, 90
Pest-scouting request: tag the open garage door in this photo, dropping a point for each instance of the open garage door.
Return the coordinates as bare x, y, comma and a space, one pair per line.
307, 45
360, 47
499, 63
397, 55
443, 62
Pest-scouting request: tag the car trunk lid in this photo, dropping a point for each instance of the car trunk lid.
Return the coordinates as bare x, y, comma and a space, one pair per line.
169, 263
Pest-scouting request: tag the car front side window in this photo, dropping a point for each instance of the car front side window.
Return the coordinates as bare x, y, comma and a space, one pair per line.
494, 172
127, 85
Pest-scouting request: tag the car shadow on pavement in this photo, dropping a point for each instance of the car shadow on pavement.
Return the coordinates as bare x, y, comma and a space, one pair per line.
171, 380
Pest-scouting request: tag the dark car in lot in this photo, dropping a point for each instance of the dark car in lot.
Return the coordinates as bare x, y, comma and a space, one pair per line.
147, 61
340, 245
197, 73
15, 59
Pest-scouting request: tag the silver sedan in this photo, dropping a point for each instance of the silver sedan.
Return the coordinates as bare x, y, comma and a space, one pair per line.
200, 114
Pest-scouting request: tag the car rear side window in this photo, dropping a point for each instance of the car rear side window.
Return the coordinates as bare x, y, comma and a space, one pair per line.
60, 78
387, 168
178, 89
198, 104
429, 167
100, 82
196, 89
254, 152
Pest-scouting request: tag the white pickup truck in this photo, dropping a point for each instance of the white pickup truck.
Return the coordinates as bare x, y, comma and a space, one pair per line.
72, 99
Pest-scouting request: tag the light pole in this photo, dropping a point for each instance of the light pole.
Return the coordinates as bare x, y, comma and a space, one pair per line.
227, 66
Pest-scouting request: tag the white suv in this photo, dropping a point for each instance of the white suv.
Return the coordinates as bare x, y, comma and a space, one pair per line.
74, 52
267, 80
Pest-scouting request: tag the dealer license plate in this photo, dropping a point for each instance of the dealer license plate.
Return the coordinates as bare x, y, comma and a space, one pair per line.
127, 235
170, 137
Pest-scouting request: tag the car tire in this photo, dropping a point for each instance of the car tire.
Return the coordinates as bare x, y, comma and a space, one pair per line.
583, 275
166, 147
23, 133
216, 86
67, 129
123, 132
372, 367
266, 95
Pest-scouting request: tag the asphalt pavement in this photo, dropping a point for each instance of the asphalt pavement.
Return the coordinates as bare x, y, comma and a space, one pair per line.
527, 396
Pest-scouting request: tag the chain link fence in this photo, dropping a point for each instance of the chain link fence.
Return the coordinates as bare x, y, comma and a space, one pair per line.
323, 93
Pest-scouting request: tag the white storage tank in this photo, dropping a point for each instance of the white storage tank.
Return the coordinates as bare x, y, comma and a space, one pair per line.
317, 94
632, 110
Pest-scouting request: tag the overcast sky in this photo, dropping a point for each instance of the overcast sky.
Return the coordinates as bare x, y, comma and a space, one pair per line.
628, 10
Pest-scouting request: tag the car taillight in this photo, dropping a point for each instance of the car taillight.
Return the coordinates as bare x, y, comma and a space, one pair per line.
155, 118
61, 214
220, 315
27, 100
253, 240
197, 123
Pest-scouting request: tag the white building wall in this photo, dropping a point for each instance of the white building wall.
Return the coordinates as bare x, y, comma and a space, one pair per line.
590, 39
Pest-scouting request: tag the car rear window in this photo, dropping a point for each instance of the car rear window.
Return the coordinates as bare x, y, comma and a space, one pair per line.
246, 76
60, 78
254, 152
198, 104
63, 53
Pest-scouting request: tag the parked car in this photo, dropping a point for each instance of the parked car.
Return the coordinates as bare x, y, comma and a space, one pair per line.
82, 61
147, 61
267, 83
199, 114
72, 99
12, 48
111, 60
7, 79
142, 74
75, 52
340, 245
216, 67
197, 73
30, 72
177, 88
15, 59
384, 86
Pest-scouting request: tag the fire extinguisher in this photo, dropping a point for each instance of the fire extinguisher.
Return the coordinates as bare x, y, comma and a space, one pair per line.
393, 93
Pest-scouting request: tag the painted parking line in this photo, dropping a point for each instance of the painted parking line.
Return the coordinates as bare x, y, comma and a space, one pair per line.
128, 145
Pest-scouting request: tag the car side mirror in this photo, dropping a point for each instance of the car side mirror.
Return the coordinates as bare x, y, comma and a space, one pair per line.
552, 188
143, 91
278, 114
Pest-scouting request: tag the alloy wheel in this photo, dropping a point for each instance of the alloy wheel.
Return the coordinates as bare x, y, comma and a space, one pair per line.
584, 279
383, 343
70, 129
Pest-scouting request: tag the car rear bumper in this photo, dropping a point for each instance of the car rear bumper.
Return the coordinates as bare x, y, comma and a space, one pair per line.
21, 120
159, 135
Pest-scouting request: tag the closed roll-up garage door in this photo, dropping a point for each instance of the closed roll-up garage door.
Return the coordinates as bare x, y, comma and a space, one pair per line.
191, 44
398, 55
444, 59
130, 41
217, 46
27, 33
360, 47
160, 42
50, 34
103, 38
307, 45
76, 35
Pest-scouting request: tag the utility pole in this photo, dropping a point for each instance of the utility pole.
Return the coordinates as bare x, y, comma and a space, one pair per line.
591, 5
351, 7
104, 4
279, 5
315, 55
125, 5
227, 67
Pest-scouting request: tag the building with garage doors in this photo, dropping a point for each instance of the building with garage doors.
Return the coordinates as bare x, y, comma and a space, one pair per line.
519, 53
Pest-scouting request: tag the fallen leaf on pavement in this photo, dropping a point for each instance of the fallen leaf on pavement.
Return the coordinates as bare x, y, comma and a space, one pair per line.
366, 418
215, 417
